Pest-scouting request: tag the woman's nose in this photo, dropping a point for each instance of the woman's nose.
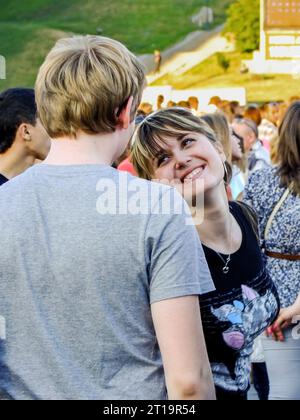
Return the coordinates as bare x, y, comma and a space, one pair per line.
182, 162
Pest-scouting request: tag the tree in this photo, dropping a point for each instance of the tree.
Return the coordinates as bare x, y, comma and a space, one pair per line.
243, 21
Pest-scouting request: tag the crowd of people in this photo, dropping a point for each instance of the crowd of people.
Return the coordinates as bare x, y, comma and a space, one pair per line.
147, 301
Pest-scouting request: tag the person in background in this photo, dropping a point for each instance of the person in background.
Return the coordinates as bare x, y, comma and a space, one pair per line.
253, 113
283, 107
287, 317
175, 146
226, 108
184, 104
268, 130
215, 101
219, 124
171, 104
124, 164
194, 104
293, 99
236, 109
23, 139
145, 109
274, 193
160, 101
258, 157
157, 61
239, 165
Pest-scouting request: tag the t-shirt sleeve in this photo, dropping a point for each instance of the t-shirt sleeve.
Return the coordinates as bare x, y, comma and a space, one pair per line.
176, 263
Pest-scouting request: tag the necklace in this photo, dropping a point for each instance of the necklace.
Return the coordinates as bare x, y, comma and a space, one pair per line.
226, 268
226, 261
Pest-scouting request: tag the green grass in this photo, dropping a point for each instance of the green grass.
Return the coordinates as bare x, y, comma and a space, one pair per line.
28, 29
260, 88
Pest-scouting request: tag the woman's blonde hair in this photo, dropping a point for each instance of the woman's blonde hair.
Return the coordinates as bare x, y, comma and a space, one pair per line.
151, 133
219, 124
84, 83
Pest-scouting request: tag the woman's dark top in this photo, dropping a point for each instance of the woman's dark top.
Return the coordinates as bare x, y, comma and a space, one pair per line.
244, 304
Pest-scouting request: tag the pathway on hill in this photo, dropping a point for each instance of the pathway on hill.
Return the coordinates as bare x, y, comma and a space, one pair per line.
195, 48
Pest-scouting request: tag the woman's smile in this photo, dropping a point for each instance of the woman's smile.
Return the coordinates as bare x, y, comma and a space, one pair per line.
193, 174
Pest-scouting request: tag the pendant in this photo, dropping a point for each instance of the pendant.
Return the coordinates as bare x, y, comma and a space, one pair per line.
226, 270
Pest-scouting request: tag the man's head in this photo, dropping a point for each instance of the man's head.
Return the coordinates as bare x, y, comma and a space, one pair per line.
236, 108
215, 100
145, 108
91, 85
194, 102
20, 129
253, 113
273, 112
247, 130
160, 101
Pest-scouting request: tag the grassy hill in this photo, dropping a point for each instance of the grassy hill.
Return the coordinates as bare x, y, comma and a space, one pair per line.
260, 88
29, 28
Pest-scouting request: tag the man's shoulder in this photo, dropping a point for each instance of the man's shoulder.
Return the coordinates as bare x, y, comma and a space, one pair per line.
12, 185
15, 188
155, 188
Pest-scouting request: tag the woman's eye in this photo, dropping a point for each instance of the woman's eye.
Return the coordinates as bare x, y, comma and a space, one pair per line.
187, 142
162, 159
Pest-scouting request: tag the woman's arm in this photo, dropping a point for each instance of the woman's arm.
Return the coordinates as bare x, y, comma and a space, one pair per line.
284, 320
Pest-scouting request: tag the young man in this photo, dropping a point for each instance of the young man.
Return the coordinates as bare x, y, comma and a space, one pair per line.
268, 129
22, 137
91, 288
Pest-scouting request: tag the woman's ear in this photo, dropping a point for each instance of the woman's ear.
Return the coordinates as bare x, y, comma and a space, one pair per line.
124, 117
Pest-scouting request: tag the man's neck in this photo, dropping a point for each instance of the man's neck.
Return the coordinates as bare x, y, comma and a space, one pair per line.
84, 150
13, 164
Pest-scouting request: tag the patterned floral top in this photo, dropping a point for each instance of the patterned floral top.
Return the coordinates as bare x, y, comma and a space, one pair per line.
263, 192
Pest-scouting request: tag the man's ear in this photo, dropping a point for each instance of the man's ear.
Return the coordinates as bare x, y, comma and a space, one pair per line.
124, 118
24, 132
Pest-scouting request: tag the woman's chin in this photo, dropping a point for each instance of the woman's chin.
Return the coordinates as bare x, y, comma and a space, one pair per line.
193, 193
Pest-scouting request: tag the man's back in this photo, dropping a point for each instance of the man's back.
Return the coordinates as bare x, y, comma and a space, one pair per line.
76, 285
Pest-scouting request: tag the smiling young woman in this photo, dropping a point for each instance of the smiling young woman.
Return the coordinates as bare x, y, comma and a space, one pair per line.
175, 146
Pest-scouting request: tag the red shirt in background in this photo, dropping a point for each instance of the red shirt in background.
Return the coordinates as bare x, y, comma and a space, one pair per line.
127, 166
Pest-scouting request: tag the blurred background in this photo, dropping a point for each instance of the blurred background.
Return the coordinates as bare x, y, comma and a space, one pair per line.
224, 46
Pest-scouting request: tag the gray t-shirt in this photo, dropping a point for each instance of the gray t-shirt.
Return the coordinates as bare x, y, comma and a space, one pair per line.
78, 274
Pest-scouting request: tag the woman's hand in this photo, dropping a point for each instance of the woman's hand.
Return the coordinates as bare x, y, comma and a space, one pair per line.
284, 321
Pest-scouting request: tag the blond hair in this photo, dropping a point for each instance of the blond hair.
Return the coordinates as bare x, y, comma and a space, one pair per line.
84, 83
150, 135
219, 124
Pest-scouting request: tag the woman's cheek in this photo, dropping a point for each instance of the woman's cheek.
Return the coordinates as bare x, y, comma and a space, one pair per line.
163, 174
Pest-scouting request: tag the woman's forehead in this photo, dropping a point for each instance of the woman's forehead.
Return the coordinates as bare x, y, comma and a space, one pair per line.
168, 142
173, 140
